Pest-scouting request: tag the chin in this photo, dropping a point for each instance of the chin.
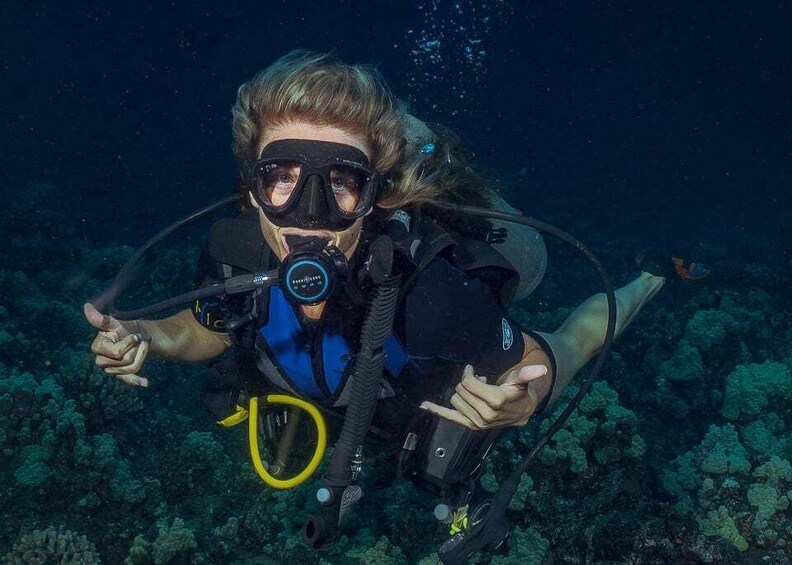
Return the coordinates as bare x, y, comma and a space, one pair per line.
278, 237
290, 235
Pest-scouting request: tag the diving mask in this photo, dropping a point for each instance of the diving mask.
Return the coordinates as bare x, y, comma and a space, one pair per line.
314, 185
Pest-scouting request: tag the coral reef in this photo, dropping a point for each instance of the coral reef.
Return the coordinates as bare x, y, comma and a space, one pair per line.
52, 545
751, 388
594, 461
741, 502
171, 541
683, 456
600, 430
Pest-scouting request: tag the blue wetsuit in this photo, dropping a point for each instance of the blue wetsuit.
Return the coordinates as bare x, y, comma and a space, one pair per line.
446, 320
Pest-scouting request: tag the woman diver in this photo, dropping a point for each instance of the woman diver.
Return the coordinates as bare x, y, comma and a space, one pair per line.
329, 164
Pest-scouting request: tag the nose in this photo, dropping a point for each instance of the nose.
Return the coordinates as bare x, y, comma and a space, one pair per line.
316, 212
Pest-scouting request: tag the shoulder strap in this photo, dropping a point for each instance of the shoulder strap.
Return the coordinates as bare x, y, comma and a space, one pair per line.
238, 243
237, 246
419, 238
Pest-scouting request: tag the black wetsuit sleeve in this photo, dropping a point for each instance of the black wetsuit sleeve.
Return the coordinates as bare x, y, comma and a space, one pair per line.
210, 312
450, 316
206, 271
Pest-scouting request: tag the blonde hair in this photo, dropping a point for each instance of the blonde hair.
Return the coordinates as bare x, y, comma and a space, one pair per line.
442, 172
319, 89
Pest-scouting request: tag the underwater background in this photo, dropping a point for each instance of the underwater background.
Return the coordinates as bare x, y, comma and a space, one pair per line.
632, 125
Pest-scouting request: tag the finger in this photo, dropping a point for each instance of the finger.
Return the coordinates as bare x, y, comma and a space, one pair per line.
493, 395
142, 352
125, 361
468, 411
448, 414
119, 350
105, 344
469, 373
133, 380
102, 343
514, 391
99, 320
525, 375
485, 411
134, 367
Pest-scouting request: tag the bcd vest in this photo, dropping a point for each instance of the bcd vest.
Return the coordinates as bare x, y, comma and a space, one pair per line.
275, 351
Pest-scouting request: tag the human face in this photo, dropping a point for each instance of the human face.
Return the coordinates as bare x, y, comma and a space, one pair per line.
277, 237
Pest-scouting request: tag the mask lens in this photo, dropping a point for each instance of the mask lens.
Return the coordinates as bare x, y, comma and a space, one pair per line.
311, 185
348, 184
276, 181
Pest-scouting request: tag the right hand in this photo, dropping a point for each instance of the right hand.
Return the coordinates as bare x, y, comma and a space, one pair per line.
120, 348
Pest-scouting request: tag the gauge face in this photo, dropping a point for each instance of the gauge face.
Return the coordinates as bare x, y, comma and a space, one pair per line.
307, 281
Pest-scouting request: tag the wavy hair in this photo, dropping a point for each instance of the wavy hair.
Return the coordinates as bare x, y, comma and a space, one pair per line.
319, 89
443, 174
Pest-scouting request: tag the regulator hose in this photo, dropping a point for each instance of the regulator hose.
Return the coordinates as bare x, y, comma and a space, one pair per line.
338, 493
129, 270
234, 285
491, 527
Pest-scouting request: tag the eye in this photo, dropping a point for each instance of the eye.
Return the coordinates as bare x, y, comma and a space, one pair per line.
346, 178
347, 184
340, 183
277, 180
276, 175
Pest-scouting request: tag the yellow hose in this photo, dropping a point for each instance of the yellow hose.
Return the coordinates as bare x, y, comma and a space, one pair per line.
255, 455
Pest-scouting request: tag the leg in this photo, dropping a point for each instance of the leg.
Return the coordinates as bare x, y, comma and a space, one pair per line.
583, 332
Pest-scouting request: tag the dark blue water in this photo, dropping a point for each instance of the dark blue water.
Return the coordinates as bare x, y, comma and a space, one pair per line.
631, 125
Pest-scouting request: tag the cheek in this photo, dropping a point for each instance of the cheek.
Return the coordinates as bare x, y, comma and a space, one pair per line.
278, 198
348, 240
270, 233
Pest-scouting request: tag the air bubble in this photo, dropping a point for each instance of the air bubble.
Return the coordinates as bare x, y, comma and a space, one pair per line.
448, 48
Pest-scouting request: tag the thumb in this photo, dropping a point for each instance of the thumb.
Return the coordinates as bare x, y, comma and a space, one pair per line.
99, 320
525, 375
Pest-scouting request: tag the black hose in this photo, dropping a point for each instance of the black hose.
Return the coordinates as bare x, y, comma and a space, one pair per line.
186, 298
369, 364
128, 272
319, 531
166, 231
235, 285
494, 526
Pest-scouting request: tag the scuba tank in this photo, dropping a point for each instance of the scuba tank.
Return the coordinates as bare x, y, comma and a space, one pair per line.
522, 246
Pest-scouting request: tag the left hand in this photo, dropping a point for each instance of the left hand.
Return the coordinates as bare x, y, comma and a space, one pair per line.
480, 406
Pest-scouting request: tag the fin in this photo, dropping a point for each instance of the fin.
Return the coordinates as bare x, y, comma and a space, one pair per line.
690, 271
663, 265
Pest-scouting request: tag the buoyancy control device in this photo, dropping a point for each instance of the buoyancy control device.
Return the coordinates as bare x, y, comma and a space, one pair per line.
445, 458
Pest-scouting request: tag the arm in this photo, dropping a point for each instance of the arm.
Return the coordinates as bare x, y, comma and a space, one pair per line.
122, 347
182, 338
519, 391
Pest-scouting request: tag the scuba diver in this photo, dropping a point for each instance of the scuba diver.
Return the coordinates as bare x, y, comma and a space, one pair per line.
382, 293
